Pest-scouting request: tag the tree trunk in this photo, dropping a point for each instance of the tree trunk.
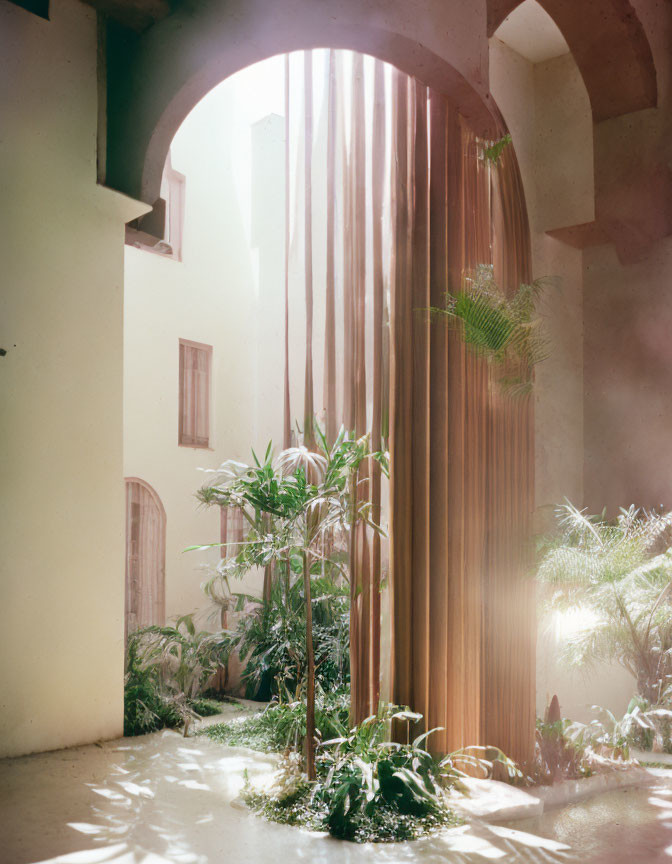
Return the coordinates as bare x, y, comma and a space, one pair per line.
310, 679
288, 573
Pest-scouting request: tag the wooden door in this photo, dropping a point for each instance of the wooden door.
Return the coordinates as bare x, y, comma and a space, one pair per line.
145, 556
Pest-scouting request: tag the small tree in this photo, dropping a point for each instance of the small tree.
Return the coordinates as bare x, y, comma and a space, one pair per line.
292, 504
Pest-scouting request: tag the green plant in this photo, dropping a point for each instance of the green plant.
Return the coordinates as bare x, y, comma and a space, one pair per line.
505, 330
291, 505
206, 707
641, 726
271, 639
367, 788
283, 725
488, 762
559, 755
167, 668
620, 573
147, 706
492, 150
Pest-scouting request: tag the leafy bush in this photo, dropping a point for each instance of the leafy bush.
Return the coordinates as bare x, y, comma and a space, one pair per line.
166, 670
283, 726
621, 572
272, 640
367, 788
641, 726
208, 707
558, 755
146, 706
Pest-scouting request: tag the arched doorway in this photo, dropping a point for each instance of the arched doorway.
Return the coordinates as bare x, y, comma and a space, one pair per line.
362, 200
145, 556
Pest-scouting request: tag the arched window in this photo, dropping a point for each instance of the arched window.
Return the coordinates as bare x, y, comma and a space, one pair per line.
145, 556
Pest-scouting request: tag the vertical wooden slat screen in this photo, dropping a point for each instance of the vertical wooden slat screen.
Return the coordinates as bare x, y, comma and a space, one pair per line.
232, 531
475, 250
145, 556
508, 657
237, 531
461, 450
460, 492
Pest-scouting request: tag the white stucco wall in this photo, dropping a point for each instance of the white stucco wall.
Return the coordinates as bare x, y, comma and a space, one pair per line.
62, 505
228, 292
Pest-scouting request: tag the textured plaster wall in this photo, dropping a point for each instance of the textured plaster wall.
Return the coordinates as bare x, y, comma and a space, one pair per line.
61, 509
628, 368
547, 110
628, 305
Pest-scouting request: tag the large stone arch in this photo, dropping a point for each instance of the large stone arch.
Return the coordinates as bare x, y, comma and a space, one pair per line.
609, 45
156, 78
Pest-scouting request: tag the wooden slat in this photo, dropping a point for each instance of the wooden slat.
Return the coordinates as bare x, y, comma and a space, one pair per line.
330, 287
348, 418
308, 409
419, 324
401, 499
377, 190
438, 390
360, 575
287, 417
456, 444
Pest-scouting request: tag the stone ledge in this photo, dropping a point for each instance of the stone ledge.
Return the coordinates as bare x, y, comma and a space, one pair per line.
493, 801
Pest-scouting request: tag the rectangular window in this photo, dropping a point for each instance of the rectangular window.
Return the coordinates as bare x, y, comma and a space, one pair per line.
194, 408
162, 229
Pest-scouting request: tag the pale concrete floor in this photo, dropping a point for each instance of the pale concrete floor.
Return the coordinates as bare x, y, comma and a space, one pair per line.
162, 798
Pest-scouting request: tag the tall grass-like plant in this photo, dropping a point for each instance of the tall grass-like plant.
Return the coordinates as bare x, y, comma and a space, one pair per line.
620, 571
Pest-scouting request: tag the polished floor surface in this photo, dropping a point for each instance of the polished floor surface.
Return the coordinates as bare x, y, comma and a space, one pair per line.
162, 798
